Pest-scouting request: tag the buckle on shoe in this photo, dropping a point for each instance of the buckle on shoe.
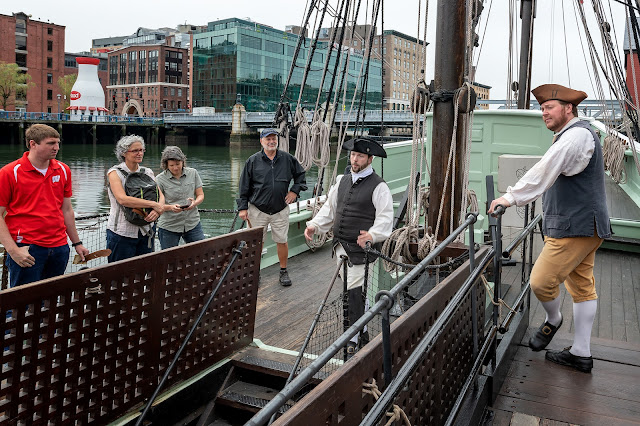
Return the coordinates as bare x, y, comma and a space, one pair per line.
351, 350
546, 330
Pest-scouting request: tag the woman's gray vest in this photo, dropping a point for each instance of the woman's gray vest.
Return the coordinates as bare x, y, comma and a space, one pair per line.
574, 204
354, 212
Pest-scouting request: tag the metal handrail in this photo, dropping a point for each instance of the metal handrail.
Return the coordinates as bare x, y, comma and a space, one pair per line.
521, 236
382, 303
380, 407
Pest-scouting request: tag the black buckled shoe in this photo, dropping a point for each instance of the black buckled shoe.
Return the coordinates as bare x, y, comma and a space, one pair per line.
564, 357
543, 336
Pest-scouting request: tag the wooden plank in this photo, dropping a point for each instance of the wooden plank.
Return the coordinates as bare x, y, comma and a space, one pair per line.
631, 323
617, 302
635, 277
605, 327
609, 350
560, 414
500, 417
607, 379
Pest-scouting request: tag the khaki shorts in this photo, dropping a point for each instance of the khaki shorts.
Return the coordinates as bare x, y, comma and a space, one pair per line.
568, 260
279, 223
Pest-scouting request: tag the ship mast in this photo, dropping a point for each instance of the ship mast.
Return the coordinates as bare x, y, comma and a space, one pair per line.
448, 76
527, 14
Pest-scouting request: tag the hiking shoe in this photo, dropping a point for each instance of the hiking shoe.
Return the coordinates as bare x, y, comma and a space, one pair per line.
564, 357
285, 281
543, 336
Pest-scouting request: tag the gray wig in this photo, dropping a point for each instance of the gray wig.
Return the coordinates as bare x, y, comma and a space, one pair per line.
125, 142
174, 153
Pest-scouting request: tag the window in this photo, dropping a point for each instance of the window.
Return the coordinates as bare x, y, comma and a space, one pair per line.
173, 91
50, 31
21, 42
49, 62
49, 94
272, 46
250, 41
50, 45
166, 91
49, 109
21, 26
179, 92
21, 59
49, 78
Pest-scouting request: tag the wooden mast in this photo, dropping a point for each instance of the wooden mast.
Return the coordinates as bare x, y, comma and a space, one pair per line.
448, 76
527, 14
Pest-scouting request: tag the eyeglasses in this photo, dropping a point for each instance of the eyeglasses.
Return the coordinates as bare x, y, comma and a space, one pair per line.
137, 151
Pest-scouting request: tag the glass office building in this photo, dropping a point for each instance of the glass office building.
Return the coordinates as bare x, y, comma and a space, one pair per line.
237, 60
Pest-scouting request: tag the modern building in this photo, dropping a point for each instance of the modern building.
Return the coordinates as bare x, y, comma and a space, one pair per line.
238, 60
107, 44
148, 75
38, 49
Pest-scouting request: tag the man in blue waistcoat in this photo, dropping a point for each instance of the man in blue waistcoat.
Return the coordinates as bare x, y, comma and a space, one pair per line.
359, 209
571, 176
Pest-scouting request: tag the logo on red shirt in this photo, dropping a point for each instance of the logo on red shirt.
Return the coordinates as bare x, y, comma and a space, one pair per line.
55, 179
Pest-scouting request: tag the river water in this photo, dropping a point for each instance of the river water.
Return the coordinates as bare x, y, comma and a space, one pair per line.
219, 167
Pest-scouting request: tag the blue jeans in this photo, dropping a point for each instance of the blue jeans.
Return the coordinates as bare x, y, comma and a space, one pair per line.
50, 262
170, 239
125, 247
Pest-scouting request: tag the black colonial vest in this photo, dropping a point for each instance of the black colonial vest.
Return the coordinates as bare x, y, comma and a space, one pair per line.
354, 212
575, 204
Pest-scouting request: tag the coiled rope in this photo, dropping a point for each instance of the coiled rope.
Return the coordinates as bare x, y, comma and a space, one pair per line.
613, 154
395, 415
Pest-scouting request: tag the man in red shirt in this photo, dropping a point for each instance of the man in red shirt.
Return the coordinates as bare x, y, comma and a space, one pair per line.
35, 210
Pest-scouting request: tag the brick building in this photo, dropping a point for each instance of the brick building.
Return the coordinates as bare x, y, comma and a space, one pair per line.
38, 49
148, 76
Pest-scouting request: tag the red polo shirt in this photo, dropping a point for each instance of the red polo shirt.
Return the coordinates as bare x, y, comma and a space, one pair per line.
34, 202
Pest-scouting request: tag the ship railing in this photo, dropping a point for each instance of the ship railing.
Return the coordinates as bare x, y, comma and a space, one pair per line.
92, 229
384, 302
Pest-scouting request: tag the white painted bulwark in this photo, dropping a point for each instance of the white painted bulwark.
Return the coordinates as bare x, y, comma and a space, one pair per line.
87, 95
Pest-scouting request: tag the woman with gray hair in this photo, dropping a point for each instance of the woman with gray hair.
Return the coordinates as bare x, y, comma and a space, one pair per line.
182, 188
123, 237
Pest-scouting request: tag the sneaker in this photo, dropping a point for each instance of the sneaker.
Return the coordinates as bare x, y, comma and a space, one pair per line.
564, 357
543, 336
285, 281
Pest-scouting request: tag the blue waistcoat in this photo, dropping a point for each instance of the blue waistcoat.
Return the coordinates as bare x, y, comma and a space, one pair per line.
575, 204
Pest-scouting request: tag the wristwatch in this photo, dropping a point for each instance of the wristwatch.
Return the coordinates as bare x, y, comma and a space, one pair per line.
79, 243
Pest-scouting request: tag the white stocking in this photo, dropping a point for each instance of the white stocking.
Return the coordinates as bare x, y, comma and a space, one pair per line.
583, 315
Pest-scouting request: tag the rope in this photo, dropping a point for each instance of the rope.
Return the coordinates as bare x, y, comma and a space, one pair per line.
395, 415
500, 303
613, 153
397, 246
303, 143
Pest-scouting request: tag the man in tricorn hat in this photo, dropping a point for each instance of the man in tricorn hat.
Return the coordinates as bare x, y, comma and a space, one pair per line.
359, 209
571, 176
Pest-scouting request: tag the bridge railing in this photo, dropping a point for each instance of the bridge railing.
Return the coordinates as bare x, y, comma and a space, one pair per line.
51, 116
218, 117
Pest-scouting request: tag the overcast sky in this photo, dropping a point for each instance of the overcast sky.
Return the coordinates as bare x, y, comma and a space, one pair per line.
550, 51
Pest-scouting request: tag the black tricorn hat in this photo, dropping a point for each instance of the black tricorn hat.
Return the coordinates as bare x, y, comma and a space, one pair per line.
365, 146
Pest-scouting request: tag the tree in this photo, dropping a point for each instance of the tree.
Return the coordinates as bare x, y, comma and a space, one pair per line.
12, 82
66, 84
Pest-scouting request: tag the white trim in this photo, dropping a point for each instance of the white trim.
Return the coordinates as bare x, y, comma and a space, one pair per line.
157, 83
15, 172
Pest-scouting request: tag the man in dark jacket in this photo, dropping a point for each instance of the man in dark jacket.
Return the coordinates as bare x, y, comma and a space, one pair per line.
571, 176
265, 194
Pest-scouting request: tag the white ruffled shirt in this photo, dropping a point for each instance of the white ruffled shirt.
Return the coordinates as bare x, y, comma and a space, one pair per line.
568, 156
381, 199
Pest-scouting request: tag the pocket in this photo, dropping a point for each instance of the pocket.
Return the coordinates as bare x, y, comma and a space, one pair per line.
557, 222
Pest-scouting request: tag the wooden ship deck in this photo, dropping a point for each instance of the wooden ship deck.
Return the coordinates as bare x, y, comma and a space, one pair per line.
535, 391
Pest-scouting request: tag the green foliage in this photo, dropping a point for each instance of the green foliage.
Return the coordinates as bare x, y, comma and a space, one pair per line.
14, 83
66, 84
